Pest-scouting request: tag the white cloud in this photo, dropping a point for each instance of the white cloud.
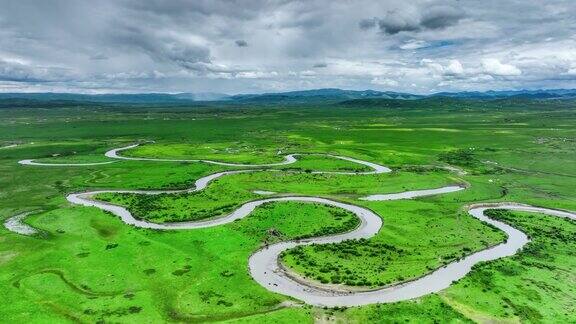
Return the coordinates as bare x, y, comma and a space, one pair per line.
413, 44
256, 74
495, 67
385, 82
454, 68
191, 45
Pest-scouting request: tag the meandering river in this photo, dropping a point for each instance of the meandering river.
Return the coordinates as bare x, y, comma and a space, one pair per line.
264, 265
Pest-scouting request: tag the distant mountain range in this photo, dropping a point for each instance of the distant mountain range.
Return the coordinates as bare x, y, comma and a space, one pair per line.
324, 94
527, 94
318, 95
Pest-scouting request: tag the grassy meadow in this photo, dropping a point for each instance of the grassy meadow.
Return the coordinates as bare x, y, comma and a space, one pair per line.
88, 266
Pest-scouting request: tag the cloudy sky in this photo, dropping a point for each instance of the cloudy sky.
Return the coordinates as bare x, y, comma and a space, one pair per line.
252, 46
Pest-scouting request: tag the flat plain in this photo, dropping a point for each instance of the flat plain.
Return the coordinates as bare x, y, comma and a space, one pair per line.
86, 265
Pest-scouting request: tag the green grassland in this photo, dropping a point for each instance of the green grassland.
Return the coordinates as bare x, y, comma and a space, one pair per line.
418, 240
535, 285
228, 193
88, 266
236, 152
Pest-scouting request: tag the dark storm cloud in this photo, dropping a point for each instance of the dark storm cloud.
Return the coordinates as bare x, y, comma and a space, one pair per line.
393, 24
99, 56
193, 45
18, 72
434, 17
441, 17
165, 48
366, 24
241, 43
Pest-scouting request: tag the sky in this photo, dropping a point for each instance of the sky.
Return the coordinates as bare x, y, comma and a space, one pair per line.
255, 46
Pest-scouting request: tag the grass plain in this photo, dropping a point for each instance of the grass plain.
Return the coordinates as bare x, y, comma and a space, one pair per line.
88, 266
